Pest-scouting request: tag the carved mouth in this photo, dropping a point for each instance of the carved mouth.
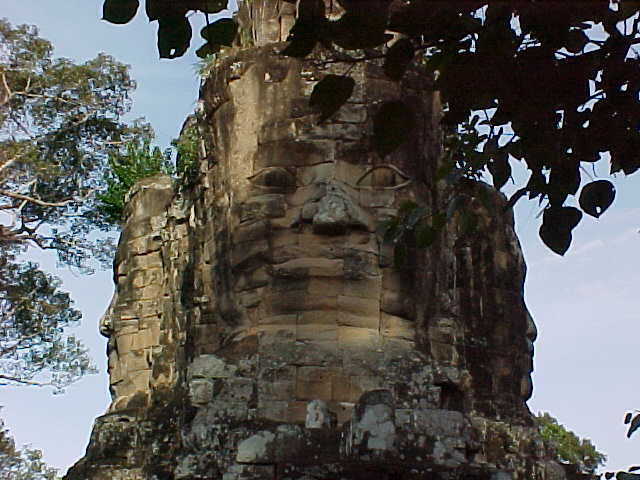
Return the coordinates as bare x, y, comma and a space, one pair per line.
332, 229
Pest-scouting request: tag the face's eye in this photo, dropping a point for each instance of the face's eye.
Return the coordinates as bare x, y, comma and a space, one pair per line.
274, 177
383, 176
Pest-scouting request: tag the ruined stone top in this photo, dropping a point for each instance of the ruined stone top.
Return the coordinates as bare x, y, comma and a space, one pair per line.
264, 22
261, 328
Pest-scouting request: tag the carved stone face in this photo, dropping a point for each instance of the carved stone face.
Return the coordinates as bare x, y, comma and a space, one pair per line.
135, 322
261, 327
314, 244
272, 265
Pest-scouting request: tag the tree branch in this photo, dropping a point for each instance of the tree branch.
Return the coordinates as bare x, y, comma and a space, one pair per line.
36, 201
8, 163
46, 97
10, 380
8, 90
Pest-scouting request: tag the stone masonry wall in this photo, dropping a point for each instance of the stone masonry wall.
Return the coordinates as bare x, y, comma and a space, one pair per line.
261, 329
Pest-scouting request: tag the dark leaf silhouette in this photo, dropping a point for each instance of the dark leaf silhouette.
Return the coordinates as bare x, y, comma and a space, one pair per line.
311, 11
174, 36
635, 424
119, 11
407, 207
398, 58
302, 40
567, 99
362, 26
576, 41
211, 6
627, 418
392, 125
207, 49
557, 224
500, 169
564, 180
308, 29
635, 468
400, 254
596, 197
330, 94
358, 29
157, 9
515, 197
221, 32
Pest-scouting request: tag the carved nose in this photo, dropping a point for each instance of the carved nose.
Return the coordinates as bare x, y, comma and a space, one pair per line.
336, 211
106, 321
332, 216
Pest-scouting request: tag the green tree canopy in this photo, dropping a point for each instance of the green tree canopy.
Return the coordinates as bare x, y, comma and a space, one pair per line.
557, 83
59, 122
23, 464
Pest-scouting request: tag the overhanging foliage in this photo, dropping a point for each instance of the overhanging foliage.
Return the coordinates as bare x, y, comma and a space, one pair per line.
558, 82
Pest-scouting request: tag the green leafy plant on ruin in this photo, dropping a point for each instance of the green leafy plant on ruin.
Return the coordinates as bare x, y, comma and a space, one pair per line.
569, 447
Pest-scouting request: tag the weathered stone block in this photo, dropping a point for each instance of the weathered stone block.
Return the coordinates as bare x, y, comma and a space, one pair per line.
282, 390
315, 332
365, 338
397, 327
314, 267
371, 322
319, 415
289, 319
367, 287
200, 391
318, 317
140, 380
258, 448
314, 383
439, 423
210, 366
246, 251
297, 301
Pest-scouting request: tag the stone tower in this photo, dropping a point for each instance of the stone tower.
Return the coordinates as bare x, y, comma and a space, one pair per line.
261, 329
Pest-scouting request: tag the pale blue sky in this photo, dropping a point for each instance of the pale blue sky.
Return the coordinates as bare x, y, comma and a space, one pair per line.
585, 304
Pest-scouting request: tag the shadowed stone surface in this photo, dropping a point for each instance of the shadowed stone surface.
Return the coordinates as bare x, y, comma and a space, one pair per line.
260, 329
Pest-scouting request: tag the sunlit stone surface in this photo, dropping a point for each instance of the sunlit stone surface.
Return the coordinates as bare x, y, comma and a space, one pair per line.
261, 329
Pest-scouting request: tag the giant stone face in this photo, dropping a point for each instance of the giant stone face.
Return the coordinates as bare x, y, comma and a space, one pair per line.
277, 261
262, 326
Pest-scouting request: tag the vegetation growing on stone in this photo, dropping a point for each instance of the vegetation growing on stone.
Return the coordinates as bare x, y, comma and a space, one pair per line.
139, 161
187, 150
569, 447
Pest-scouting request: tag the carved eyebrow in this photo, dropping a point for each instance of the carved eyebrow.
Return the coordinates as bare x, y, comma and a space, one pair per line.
407, 178
268, 169
284, 169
